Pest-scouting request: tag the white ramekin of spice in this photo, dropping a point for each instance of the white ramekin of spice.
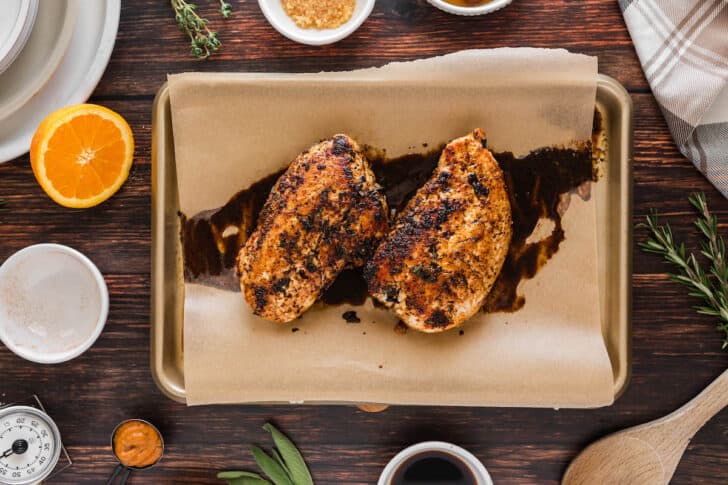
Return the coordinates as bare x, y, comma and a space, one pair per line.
53, 303
316, 22
469, 7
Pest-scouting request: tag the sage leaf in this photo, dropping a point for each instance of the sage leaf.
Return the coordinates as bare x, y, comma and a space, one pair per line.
248, 481
270, 467
294, 462
280, 461
230, 474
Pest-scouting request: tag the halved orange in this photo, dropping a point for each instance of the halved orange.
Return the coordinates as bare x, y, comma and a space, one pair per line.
81, 155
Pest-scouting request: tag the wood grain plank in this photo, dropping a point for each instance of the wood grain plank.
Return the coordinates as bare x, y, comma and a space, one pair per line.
676, 352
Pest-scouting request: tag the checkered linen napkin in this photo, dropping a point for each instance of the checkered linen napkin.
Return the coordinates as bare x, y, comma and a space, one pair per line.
683, 48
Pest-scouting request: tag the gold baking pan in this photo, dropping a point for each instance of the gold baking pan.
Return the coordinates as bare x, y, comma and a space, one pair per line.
614, 238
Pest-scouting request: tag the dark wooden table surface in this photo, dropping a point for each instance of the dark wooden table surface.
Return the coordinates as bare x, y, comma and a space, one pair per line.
676, 352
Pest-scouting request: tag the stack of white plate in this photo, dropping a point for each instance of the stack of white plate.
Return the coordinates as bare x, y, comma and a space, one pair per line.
52, 54
15, 26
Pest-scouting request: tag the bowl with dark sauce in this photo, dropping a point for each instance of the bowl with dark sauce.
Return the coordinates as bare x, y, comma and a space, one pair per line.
434, 463
469, 7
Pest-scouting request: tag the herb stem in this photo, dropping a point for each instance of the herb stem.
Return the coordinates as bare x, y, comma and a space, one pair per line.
711, 286
203, 41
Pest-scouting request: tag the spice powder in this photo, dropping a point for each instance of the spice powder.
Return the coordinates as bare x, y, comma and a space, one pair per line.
319, 14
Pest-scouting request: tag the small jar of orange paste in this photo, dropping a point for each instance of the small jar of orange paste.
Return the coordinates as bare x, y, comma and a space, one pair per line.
137, 444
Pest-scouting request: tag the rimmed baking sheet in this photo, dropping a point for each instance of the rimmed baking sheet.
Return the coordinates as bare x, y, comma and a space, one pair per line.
614, 209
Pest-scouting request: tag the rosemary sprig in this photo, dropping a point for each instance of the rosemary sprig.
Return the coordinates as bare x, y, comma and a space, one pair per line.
2, 205
710, 286
203, 41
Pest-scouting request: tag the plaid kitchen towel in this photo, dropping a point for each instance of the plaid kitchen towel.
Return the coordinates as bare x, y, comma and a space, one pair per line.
683, 48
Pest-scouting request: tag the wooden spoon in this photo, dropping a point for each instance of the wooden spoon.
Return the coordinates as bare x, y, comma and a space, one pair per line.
647, 454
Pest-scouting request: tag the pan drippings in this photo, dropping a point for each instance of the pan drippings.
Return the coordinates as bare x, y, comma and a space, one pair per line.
540, 186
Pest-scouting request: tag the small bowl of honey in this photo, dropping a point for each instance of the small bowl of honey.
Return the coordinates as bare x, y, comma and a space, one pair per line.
469, 7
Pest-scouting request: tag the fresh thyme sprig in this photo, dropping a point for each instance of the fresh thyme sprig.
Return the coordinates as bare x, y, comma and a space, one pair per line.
203, 41
225, 9
710, 286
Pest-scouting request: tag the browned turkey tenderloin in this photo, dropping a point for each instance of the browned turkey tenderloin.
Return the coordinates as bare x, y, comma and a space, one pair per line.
325, 213
446, 248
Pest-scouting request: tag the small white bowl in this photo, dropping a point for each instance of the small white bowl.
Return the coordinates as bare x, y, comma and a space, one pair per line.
489, 7
482, 476
279, 19
53, 303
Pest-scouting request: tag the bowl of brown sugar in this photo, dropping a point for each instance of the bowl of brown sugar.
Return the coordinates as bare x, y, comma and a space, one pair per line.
316, 22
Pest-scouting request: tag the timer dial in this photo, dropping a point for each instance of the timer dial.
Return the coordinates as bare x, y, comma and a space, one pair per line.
29, 445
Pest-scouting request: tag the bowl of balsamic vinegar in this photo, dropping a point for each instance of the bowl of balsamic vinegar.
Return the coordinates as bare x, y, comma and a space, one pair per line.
434, 463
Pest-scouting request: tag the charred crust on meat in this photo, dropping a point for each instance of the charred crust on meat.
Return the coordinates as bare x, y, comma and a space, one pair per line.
261, 297
478, 187
310, 266
369, 271
432, 249
307, 220
324, 196
443, 178
321, 166
458, 279
288, 182
438, 319
448, 207
391, 294
414, 302
429, 273
341, 145
281, 285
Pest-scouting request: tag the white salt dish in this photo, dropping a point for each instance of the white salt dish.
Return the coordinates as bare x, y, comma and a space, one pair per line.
279, 19
53, 303
489, 7
16, 23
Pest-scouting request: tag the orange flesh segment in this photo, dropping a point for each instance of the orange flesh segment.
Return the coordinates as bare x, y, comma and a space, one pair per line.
84, 156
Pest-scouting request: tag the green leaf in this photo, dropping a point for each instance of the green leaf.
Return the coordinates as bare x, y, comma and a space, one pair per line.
229, 474
291, 456
248, 481
280, 460
704, 310
271, 467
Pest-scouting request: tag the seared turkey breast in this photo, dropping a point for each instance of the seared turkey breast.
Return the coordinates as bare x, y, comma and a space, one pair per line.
446, 248
325, 213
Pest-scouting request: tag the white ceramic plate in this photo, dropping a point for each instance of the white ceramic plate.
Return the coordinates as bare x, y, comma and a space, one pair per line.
279, 19
75, 79
40, 58
16, 23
